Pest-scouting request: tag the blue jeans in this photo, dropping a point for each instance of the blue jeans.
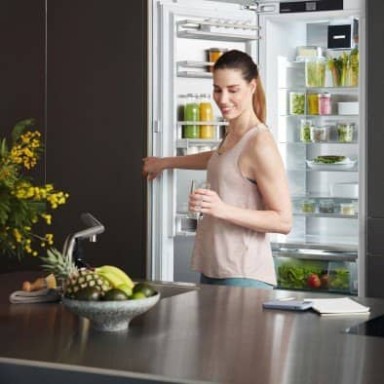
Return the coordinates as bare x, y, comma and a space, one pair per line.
235, 282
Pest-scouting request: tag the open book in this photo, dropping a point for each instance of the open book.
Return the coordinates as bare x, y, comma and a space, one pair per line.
338, 306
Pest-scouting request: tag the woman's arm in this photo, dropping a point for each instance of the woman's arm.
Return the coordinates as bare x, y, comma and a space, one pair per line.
153, 166
263, 164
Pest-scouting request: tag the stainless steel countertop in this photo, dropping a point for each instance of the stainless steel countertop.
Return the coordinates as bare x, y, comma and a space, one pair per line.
209, 334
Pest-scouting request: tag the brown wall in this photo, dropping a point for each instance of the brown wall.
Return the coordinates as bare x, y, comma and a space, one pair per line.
93, 112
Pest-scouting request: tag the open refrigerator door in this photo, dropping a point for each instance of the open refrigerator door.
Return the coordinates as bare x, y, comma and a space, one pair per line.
187, 37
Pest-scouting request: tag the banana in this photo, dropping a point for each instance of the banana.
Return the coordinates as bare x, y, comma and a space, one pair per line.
115, 275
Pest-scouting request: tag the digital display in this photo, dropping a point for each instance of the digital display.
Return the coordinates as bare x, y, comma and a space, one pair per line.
311, 6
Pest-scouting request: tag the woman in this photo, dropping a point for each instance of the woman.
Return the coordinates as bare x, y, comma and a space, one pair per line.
249, 195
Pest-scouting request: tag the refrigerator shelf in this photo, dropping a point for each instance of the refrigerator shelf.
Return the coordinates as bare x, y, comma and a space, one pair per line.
306, 89
207, 35
314, 255
219, 123
217, 30
321, 197
317, 143
326, 215
327, 243
186, 143
195, 74
308, 116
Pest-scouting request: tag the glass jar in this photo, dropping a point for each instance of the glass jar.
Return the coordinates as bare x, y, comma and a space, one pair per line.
313, 104
297, 103
319, 134
347, 209
191, 114
213, 55
345, 132
326, 206
206, 114
308, 206
305, 130
325, 107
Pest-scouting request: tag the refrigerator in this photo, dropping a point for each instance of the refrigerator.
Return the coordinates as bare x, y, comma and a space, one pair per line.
311, 58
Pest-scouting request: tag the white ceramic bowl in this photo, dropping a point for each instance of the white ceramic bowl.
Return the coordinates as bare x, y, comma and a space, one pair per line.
111, 315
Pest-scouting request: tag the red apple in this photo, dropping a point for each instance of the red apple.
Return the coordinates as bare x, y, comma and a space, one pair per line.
313, 280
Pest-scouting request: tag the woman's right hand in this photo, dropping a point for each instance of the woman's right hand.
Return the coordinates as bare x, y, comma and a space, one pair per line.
152, 167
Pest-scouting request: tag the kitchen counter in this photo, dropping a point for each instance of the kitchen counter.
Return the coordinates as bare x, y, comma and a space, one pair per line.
195, 334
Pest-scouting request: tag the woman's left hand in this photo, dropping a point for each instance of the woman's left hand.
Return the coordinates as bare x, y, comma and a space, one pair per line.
206, 201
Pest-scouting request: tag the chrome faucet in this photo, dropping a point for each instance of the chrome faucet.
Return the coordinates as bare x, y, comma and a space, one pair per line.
94, 228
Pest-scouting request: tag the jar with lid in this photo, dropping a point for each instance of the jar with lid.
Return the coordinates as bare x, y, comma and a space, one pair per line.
297, 103
326, 206
319, 134
325, 107
191, 114
305, 130
347, 209
313, 104
206, 114
345, 132
214, 54
308, 206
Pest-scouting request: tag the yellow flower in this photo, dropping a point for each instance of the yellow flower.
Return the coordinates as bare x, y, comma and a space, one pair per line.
23, 203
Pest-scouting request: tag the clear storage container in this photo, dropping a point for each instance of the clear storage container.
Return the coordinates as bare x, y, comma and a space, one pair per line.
315, 72
297, 103
345, 132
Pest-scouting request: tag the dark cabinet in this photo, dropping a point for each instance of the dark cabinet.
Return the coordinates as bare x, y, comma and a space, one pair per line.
83, 75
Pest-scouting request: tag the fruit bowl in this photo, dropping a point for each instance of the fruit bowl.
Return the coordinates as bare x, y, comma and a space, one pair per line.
111, 315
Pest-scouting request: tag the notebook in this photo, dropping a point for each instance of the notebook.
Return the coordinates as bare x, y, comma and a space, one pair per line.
338, 306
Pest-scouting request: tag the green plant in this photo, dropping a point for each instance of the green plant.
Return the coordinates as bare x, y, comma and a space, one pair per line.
23, 204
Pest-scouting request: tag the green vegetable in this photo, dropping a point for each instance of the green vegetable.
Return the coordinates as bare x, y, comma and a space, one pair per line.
329, 159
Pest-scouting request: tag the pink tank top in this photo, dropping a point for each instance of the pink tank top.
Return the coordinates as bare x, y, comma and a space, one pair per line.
223, 249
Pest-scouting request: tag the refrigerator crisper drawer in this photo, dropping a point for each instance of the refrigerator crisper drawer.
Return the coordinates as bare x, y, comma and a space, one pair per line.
316, 275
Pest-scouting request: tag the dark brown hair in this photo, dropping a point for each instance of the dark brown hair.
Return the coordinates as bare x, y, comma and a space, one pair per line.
241, 61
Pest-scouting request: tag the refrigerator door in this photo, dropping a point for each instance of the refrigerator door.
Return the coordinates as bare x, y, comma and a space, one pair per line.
305, 113
182, 34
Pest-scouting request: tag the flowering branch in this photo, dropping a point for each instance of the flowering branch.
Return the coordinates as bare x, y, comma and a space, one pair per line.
22, 203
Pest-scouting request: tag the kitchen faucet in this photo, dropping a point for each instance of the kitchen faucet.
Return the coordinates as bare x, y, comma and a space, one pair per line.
94, 228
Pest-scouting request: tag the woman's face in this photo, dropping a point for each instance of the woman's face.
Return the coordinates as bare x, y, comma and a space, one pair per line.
232, 94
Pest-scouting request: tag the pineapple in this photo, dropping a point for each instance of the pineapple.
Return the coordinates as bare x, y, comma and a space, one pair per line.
74, 279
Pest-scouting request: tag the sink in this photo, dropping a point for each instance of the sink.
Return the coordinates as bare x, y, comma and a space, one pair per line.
173, 288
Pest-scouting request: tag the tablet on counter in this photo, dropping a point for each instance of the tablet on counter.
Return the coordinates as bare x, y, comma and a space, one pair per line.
291, 305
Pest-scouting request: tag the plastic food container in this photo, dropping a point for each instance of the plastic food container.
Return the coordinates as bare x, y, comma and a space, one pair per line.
345, 132
305, 130
315, 72
296, 103
348, 108
308, 206
326, 206
347, 209
319, 134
